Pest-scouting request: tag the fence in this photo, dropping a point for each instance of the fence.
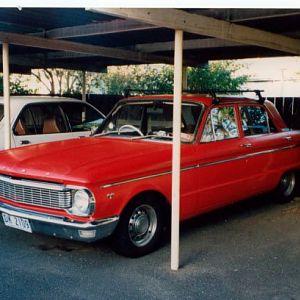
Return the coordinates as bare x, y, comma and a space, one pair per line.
289, 108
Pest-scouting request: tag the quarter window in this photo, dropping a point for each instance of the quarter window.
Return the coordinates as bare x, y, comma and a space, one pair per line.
81, 117
220, 125
254, 120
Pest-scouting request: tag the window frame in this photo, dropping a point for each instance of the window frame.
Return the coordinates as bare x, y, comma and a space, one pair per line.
267, 118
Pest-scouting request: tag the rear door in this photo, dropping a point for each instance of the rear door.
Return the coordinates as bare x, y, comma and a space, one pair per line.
267, 147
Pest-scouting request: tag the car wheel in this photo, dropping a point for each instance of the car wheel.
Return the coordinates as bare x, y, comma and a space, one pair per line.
140, 229
286, 189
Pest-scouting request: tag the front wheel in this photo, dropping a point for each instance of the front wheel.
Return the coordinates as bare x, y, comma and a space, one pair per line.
140, 229
286, 189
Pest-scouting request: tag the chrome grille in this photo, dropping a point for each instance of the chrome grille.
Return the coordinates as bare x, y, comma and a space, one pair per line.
35, 193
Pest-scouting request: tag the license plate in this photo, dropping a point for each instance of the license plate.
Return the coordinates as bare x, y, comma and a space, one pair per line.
16, 222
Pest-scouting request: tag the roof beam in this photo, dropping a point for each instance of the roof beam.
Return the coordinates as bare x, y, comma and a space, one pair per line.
188, 45
243, 15
179, 19
34, 61
114, 26
127, 55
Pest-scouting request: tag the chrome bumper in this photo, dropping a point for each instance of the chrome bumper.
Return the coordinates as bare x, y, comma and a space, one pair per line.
62, 227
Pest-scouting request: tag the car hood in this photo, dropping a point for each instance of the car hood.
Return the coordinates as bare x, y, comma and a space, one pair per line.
87, 160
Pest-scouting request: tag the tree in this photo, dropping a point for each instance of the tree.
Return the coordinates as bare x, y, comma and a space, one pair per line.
17, 86
214, 76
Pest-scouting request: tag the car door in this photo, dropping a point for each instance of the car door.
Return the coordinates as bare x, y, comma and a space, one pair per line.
39, 123
267, 147
219, 165
82, 118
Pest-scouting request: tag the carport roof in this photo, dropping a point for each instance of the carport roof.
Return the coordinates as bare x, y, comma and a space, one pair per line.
75, 38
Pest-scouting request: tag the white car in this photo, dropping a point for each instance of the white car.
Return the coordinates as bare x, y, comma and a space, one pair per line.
38, 119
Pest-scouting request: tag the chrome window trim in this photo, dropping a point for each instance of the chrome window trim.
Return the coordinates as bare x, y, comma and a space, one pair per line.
201, 165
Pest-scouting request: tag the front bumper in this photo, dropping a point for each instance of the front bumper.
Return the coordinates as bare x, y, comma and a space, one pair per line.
62, 227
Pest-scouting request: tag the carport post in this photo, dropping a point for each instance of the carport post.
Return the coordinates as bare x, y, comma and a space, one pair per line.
176, 149
83, 86
6, 96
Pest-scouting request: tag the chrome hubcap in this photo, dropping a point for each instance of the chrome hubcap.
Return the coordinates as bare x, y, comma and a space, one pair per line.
288, 182
142, 225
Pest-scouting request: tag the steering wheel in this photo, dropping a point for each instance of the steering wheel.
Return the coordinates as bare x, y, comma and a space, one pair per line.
131, 127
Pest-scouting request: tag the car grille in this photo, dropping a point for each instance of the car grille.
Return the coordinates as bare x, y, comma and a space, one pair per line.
35, 193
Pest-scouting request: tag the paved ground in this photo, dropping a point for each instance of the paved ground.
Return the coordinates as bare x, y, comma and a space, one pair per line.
248, 251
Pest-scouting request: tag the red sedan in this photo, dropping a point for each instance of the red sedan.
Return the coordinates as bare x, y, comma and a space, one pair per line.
118, 182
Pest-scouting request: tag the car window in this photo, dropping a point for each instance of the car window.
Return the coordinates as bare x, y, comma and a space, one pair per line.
25, 124
45, 118
153, 119
254, 120
81, 116
1, 111
221, 124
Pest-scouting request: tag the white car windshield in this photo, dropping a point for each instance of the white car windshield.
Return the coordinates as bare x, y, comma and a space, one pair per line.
151, 119
1, 111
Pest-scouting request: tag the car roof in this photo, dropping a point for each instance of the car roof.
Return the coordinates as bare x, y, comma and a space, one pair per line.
201, 98
31, 99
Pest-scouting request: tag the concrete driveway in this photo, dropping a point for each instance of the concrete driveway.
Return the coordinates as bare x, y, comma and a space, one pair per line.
247, 251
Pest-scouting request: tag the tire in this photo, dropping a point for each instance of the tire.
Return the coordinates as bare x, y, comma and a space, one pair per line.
141, 228
286, 190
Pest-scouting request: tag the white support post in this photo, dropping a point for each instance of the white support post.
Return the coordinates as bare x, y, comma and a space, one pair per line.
6, 96
83, 86
176, 149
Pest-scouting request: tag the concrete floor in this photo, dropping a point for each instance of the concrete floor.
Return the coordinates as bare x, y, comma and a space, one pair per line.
247, 251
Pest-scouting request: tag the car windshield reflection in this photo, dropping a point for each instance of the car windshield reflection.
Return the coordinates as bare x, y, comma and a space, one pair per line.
151, 120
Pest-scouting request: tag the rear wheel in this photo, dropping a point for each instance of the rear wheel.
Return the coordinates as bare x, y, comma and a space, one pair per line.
286, 189
141, 227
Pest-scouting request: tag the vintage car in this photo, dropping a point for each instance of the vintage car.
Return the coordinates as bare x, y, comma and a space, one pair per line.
38, 119
118, 182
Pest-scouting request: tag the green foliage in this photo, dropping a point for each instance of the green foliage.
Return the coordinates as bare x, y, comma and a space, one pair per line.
16, 87
214, 76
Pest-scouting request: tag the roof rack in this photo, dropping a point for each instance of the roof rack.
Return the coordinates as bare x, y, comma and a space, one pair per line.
212, 93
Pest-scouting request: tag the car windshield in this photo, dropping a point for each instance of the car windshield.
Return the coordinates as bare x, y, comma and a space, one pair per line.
151, 119
1, 111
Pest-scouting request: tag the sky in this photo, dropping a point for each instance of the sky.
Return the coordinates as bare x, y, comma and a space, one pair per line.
278, 76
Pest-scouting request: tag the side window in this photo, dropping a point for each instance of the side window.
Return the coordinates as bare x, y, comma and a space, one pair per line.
48, 118
81, 117
221, 124
25, 124
254, 120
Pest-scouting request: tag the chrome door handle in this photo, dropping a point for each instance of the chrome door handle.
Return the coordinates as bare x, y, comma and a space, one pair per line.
247, 145
288, 138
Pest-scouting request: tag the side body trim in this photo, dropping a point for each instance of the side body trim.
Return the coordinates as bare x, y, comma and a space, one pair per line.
201, 165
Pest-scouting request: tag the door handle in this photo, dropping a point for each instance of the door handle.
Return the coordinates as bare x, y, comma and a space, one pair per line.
288, 138
25, 142
247, 145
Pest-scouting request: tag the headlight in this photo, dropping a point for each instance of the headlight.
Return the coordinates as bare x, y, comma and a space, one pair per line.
83, 203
